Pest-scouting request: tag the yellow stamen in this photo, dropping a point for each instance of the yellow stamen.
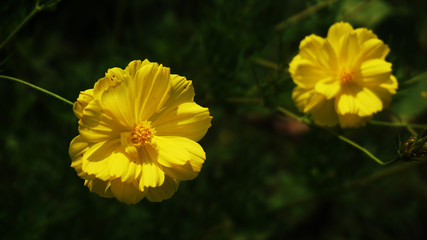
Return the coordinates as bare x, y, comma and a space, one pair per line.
142, 133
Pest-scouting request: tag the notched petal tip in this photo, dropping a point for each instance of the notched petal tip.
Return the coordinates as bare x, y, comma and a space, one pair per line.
82, 101
166, 191
309, 47
126, 192
337, 30
113, 77
102, 188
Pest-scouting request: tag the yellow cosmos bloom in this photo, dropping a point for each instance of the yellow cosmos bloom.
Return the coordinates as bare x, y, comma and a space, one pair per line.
138, 129
343, 78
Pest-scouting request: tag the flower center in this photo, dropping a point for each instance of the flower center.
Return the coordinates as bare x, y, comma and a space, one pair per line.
345, 76
142, 133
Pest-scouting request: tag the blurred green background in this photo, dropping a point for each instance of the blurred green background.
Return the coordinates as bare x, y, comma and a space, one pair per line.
265, 177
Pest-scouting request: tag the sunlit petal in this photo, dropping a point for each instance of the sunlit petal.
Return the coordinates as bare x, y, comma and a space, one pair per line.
126, 192
186, 120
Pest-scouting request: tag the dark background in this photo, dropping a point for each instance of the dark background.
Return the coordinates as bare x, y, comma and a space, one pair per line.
265, 177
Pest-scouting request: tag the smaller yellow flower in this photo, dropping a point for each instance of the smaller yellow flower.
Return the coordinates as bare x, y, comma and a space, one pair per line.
343, 78
138, 133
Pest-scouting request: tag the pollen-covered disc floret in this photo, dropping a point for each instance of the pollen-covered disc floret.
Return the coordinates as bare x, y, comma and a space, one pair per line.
138, 133
346, 76
142, 133
343, 78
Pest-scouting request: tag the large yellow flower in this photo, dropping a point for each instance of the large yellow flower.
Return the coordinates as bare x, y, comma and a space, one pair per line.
343, 78
138, 129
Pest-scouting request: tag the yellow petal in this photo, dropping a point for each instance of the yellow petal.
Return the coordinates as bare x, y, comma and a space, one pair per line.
82, 101
176, 152
337, 31
150, 89
76, 151
118, 164
301, 96
328, 58
118, 102
375, 71
97, 125
385, 90
294, 64
126, 192
182, 91
358, 100
97, 157
133, 172
328, 87
151, 174
309, 47
364, 34
166, 191
373, 48
102, 188
317, 51
306, 99
134, 66
324, 114
391, 85
352, 120
77, 148
186, 120
348, 50
307, 73
346, 101
113, 77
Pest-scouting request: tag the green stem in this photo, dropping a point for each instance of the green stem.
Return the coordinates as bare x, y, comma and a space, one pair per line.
342, 138
265, 63
36, 9
292, 115
303, 14
397, 124
415, 79
38, 88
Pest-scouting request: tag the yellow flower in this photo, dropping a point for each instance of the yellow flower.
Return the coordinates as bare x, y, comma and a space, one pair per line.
343, 78
138, 129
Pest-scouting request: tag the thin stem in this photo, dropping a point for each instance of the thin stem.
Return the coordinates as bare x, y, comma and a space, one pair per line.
303, 14
38, 88
265, 63
342, 138
347, 140
292, 115
419, 77
397, 124
36, 9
